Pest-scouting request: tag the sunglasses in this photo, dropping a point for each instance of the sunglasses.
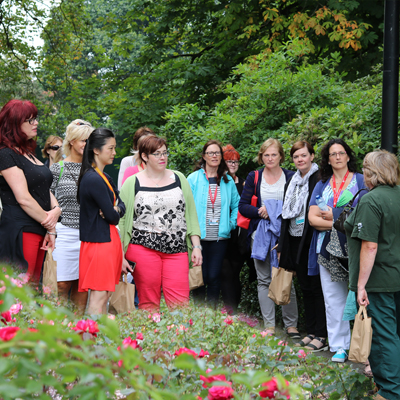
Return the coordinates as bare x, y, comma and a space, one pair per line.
54, 147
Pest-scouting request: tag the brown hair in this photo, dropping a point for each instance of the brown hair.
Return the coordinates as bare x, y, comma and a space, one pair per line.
142, 131
268, 143
230, 153
300, 144
222, 167
49, 142
381, 168
150, 144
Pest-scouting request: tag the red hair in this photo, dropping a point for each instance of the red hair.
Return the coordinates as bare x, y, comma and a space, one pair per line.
12, 116
230, 153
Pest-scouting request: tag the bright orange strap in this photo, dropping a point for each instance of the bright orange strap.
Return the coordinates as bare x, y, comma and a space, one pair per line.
107, 182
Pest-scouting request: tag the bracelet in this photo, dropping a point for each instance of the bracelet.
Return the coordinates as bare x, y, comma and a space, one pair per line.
197, 247
52, 233
58, 207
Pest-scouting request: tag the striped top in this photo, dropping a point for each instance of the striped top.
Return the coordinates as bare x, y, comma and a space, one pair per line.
212, 230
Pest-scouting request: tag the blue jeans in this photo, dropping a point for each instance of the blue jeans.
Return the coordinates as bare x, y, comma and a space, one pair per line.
213, 257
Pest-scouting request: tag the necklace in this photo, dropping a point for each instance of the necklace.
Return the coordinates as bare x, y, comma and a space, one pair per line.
155, 182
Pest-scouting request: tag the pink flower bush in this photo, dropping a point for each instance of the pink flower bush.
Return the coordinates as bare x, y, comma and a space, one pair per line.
8, 333
220, 393
183, 350
228, 321
271, 389
86, 326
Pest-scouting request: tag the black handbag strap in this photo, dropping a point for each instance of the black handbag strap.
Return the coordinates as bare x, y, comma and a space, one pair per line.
355, 196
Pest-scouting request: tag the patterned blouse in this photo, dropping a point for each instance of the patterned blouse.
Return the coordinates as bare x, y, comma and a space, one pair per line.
159, 221
65, 189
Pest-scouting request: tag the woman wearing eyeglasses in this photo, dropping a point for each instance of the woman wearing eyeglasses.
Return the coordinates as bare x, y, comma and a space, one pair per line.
30, 211
217, 200
339, 183
265, 224
51, 150
65, 187
159, 231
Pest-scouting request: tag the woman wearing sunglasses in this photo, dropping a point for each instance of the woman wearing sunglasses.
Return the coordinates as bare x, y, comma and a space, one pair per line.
51, 150
30, 211
65, 187
159, 229
217, 201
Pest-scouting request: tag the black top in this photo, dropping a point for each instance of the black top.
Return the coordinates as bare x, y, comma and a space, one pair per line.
284, 239
14, 220
95, 195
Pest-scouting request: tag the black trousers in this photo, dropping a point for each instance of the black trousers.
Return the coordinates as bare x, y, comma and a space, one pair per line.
313, 298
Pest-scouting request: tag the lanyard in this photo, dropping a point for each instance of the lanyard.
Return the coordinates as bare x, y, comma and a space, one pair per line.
210, 193
107, 182
337, 193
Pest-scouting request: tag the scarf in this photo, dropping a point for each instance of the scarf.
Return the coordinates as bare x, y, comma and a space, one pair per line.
289, 209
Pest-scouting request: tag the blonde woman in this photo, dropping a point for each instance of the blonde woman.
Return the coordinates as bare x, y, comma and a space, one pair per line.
64, 187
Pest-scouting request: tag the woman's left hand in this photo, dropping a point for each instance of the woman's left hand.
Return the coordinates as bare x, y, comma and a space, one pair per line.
197, 257
52, 218
49, 242
327, 215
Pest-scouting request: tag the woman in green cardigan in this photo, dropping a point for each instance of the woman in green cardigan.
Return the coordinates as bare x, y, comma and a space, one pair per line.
160, 230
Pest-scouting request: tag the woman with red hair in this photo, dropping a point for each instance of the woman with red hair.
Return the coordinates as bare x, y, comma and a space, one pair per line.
30, 211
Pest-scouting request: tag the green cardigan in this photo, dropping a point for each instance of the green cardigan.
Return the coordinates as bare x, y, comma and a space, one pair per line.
128, 197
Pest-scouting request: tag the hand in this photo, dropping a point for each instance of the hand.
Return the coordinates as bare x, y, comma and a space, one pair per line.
362, 297
101, 214
197, 257
49, 242
262, 212
126, 267
52, 218
279, 256
327, 215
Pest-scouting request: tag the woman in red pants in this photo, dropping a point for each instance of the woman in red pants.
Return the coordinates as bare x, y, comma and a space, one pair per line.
30, 211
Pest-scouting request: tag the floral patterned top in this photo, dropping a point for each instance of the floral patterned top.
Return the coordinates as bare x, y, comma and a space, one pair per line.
159, 219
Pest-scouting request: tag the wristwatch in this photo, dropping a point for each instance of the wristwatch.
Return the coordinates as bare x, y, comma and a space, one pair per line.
198, 247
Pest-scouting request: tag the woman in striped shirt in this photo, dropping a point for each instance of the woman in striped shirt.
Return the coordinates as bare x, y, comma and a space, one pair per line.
217, 201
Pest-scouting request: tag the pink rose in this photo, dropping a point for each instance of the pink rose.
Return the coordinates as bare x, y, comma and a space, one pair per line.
16, 308
220, 393
5, 317
156, 317
128, 342
228, 321
139, 336
8, 333
203, 353
190, 322
301, 354
271, 388
208, 379
185, 350
86, 326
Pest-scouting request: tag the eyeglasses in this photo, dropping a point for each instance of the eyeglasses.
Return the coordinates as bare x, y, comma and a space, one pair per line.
54, 147
81, 123
159, 155
340, 154
232, 162
213, 153
32, 120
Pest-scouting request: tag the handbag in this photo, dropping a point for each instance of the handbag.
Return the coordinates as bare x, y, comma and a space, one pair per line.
347, 210
123, 299
195, 277
244, 222
280, 286
50, 273
361, 338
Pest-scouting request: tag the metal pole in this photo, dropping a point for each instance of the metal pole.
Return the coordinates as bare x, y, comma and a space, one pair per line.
390, 91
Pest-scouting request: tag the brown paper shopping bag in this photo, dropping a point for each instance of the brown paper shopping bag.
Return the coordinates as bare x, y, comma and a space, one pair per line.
123, 299
280, 287
50, 273
195, 277
361, 338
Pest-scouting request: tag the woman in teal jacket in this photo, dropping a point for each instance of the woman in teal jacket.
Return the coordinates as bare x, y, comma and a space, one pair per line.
217, 202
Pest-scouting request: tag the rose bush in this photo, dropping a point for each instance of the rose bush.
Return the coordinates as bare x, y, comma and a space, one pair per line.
182, 354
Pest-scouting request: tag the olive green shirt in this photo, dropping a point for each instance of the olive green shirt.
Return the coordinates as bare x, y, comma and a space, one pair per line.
376, 219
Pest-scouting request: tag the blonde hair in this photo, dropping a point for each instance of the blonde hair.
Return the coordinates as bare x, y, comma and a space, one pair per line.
381, 168
268, 143
76, 130
49, 142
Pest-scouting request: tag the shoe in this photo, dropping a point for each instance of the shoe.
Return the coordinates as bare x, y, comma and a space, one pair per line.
305, 341
340, 356
294, 334
317, 344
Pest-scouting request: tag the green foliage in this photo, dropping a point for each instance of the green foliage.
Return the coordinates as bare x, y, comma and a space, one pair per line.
54, 360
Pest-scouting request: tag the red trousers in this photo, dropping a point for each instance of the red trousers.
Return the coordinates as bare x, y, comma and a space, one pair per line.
155, 270
33, 254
